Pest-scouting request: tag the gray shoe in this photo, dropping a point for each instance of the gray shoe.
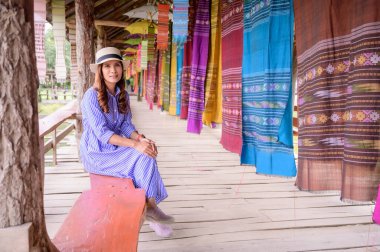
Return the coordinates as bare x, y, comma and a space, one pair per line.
161, 230
157, 215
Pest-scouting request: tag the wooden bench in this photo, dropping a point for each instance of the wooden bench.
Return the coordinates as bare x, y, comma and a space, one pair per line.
106, 218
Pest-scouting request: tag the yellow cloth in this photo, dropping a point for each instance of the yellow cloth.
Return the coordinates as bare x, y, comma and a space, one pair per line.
130, 49
213, 98
140, 27
173, 81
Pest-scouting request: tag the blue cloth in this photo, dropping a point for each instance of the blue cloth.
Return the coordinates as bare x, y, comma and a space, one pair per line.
100, 157
180, 51
180, 21
267, 91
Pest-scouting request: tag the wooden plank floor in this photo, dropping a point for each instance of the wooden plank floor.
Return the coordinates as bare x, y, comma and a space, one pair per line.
218, 204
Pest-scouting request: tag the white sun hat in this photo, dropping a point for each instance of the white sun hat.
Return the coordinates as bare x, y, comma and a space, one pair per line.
106, 54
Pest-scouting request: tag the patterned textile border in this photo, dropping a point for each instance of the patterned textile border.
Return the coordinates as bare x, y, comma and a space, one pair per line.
346, 127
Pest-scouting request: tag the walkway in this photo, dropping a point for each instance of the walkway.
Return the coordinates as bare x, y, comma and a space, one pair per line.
219, 205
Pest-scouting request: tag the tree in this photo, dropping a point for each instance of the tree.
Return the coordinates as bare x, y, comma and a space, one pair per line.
21, 172
49, 49
85, 31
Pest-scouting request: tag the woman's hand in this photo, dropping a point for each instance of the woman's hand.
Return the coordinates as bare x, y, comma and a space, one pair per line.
151, 142
146, 148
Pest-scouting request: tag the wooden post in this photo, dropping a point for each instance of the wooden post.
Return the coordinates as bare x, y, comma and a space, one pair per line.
85, 31
54, 137
21, 172
101, 38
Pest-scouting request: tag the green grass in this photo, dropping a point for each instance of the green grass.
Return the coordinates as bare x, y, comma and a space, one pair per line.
47, 94
45, 109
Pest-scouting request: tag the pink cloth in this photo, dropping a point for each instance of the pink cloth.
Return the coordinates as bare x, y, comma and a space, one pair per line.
376, 213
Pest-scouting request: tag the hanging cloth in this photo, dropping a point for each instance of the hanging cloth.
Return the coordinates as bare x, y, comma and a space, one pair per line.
267, 93
173, 80
180, 21
162, 79
152, 65
163, 26
136, 82
199, 66
187, 59
133, 41
339, 97
59, 30
151, 39
144, 54
138, 65
39, 39
166, 80
179, 79
232, 52
213, 98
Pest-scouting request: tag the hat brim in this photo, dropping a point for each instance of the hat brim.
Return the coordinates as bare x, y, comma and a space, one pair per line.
93, 67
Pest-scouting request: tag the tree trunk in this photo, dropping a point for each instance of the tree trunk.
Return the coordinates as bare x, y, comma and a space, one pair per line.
85, 31
21, 173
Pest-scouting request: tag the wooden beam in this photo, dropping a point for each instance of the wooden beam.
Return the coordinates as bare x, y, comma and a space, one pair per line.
71, 23
116, 41
111, 23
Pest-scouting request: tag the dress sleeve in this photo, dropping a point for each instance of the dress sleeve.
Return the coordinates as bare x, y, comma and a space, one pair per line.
95, 117
127, 126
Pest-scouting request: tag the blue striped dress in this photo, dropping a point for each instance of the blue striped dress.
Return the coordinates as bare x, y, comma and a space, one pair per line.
100, 157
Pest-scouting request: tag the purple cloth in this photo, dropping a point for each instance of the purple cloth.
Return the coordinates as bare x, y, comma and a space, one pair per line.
199, 66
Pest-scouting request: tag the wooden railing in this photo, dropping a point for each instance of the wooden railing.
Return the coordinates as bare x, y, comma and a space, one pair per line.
50, 124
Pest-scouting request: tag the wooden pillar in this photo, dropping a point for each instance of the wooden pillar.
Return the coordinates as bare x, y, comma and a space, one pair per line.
21, 173
85, 31
101, 38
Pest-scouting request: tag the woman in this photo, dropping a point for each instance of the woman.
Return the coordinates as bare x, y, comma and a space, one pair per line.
111, 145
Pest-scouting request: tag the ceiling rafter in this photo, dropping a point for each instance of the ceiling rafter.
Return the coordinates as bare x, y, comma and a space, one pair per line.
108, 10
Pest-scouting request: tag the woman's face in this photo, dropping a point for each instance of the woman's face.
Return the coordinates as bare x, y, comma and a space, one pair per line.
112, 71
